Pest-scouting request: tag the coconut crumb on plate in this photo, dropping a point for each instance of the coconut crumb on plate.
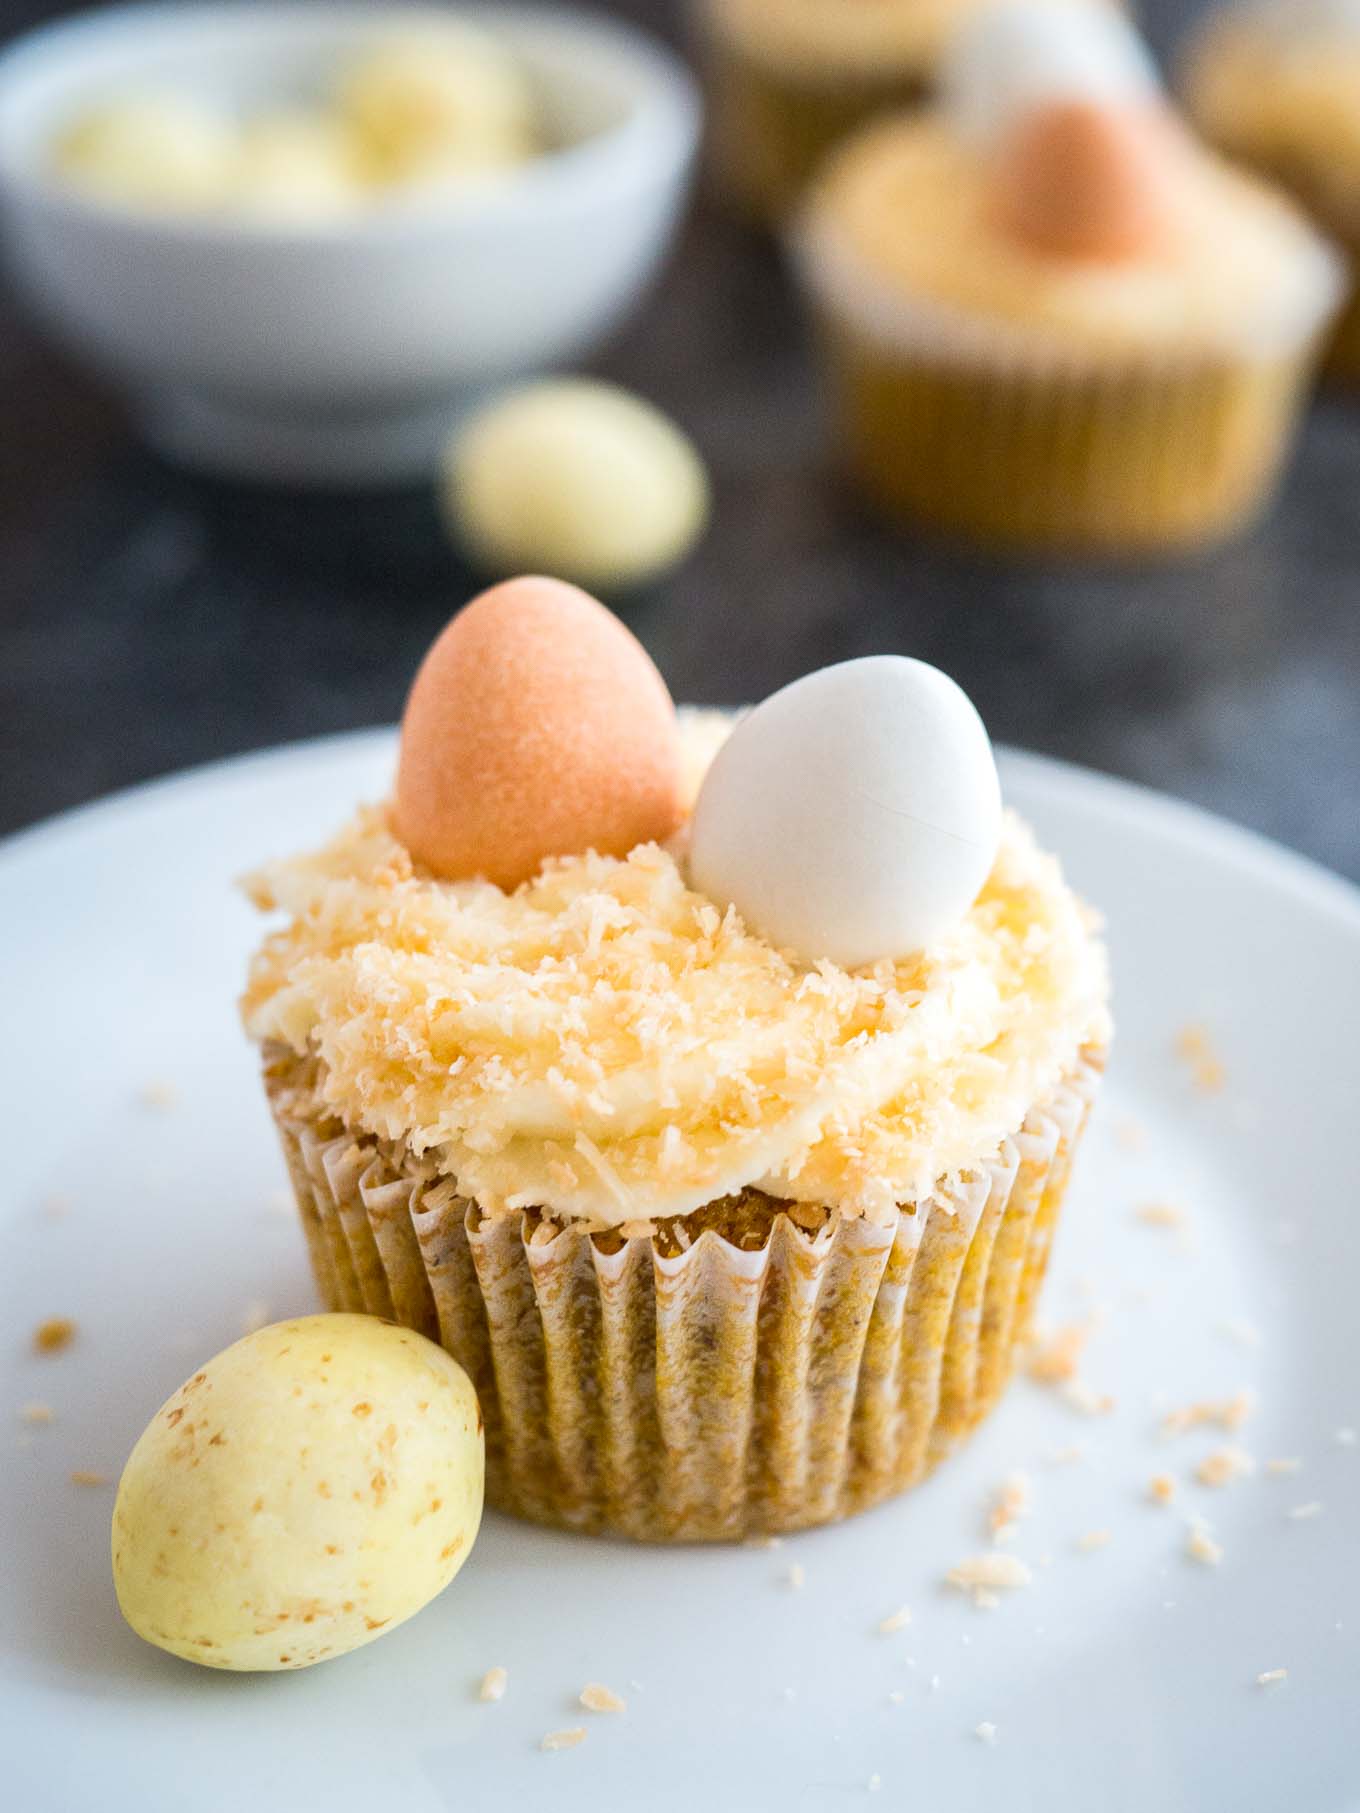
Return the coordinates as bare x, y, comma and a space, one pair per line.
563, 1740
1229, 1413
1054, 1358
158, 1094
1161, 1488
1224, 1466
898, 1620
874, 1783
896, 1697
1160, 1215
37, 1413
796, 1576
986, 1731
596, 1697
1272, 1677
1194, 1045
494, 1683
1344, 1438
54, 1334
1093, 1540
83, 1476
1200, 1546
1080, 1396
1285, 1464
984, 1574
1013, 1500
1302, 1513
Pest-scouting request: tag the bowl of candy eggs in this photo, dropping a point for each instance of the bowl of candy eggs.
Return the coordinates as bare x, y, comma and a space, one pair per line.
303, 238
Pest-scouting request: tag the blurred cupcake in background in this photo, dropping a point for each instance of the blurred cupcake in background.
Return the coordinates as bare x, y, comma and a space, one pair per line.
1278, 85
789, 78
1053, 319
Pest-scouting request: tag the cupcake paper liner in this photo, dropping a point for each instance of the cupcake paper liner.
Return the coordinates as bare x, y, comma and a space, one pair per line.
770, 130
976, 430
786, 1372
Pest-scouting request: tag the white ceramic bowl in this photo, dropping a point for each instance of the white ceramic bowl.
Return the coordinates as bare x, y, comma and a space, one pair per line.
340, 352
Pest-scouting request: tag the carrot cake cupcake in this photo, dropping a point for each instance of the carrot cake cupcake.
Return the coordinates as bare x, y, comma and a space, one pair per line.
708, 1088
788, 78
1278, 86
1052, 318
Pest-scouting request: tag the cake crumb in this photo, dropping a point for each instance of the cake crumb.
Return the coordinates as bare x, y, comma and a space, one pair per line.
1080, 1396
596, 1697
1053, 1358
1301, 1513
84, 1477
1228, 1413
563, 1740
36, 1413
1130, 1135
1285, 1464
980, 1574
986, 1731
898, 1620
1194, 1045
1224, 1466
1160, 1215
1200, 1546
494, 1683
254, 1316
158, 1094
1093, 1540
1272, 1677
1161, 1488
54, 1334
797, 1576
985, 1600
1013, 1500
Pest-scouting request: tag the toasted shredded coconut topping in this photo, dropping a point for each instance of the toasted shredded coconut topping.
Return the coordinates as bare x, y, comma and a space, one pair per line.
605, 1044
596, 1697
494, 1683
985, 1573
563, 1740
1224, 1466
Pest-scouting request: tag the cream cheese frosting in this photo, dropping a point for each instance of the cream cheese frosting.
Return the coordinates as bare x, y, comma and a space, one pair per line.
903, 235
605, 1045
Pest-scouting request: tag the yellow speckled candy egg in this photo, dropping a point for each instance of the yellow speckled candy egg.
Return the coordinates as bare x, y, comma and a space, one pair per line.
308, 1489
158, 151
578, 478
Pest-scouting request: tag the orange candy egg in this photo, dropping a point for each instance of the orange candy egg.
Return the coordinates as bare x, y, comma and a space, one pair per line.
537, 726
1078, 179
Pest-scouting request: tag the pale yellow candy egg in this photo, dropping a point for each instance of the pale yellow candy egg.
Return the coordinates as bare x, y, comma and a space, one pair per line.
305, 1491
299, 166
575, 478
432, 107
160, 151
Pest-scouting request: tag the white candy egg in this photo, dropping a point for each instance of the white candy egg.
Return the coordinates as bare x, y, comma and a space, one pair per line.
854, 815
1018, 55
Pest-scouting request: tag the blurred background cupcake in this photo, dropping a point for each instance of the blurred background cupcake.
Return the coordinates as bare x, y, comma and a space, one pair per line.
789, 78
1278, 85
1053, 319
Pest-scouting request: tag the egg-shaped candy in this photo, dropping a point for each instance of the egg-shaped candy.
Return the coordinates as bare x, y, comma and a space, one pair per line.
305, 1491
162, 151
1018, 55
537, 726
577, 478
854, 815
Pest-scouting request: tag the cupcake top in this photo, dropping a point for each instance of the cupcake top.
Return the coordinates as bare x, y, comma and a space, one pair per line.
1281, 84
1054, 199
875, 39
609, 1044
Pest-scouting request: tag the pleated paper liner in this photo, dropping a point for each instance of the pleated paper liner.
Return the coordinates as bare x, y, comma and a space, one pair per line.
769, 130
787, 1371
968, 430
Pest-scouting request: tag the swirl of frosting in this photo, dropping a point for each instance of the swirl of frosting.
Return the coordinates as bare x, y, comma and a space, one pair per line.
605, 1045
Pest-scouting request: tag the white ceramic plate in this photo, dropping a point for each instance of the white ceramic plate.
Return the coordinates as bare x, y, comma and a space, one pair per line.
1123, 1678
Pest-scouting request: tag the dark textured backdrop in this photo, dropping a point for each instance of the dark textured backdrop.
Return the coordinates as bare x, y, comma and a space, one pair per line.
148, 620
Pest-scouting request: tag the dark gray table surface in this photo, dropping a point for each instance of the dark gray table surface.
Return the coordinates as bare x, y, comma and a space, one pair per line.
149, 619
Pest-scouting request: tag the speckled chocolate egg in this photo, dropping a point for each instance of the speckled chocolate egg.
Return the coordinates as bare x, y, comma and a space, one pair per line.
308, 1489
537, 726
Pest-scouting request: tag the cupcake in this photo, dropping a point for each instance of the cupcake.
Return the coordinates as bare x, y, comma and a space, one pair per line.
708, 1091
1278, 86
1052, 319
788, 78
